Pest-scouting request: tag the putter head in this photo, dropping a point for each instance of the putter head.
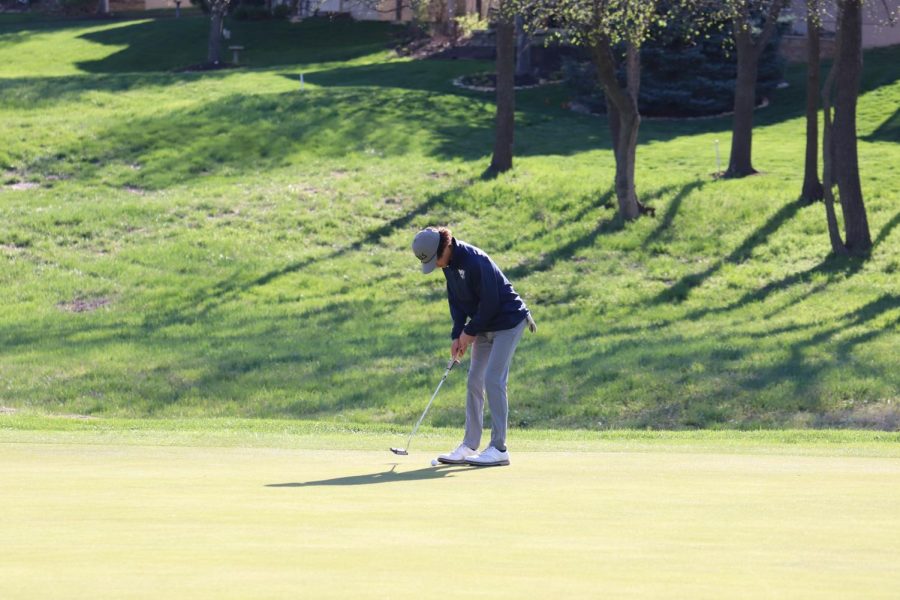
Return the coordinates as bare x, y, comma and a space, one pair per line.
399, 451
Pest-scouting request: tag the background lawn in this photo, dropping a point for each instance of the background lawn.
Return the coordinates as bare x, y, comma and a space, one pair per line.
227, 244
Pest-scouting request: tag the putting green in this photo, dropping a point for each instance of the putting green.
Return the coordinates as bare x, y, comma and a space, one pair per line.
142, 521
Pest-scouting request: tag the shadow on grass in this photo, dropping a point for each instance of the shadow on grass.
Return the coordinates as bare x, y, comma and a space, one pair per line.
888, 131
166, 44
565, 252
886, 230
686, 378
680, 290
205, 301
390, 476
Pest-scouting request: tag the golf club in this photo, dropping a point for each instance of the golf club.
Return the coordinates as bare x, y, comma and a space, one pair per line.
404, 451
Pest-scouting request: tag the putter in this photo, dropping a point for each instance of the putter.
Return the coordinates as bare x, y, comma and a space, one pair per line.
405, 451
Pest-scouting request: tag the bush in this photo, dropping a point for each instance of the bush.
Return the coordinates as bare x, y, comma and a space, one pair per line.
282, 11
679, 78
469, 24
78, 6
250, 12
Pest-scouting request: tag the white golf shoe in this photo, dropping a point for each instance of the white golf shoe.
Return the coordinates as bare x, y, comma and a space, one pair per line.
491, 457
458, 456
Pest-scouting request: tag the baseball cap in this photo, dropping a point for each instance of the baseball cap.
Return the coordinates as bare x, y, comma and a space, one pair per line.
425, 247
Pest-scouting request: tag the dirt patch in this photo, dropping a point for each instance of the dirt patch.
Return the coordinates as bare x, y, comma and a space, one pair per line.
207, 66
487, 82
22, 185
83, 304
882, 416
77, 417
5, 410
421, 48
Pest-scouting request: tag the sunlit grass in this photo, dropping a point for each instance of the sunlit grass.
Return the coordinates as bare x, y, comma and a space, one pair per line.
229, 244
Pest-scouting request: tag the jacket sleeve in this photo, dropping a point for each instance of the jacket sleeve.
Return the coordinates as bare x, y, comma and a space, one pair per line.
457, 314
488, 297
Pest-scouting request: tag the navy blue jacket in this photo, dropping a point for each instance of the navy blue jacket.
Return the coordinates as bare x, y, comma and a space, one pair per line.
479, 291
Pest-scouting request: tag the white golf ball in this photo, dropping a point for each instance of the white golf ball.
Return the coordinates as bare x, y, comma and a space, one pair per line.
434, 462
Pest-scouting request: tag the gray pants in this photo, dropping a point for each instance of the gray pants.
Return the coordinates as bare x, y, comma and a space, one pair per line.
492, 354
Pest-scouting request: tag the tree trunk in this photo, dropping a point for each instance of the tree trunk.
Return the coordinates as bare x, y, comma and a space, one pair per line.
451, 20
523, 49
624, 121
834, 233
506, 96
479, 9
812, 188
748, 53
216, 23
739, 163
398, 10
846, 162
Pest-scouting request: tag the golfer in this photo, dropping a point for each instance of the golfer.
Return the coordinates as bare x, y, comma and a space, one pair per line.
489, 316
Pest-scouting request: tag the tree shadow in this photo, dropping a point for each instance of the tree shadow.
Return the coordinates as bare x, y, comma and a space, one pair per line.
565, 252
389, 476
796, 368
672, 210
680, 290
205, 301
166, 44
886, 230
45, 92
832, 267
888, 131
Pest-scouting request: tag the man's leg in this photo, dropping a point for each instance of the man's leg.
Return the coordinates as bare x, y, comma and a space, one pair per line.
495, 378
481, 352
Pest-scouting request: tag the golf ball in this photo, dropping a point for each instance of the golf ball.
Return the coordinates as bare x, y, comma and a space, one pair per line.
434, 462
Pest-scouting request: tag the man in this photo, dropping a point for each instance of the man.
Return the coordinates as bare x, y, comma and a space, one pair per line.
489, 316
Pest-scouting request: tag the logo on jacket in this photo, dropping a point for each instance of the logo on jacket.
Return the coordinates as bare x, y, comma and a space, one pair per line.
462, 274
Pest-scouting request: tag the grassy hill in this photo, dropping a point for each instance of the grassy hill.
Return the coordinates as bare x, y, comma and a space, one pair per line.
231, 244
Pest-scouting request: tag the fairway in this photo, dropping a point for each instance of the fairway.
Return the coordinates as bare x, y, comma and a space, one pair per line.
86, 518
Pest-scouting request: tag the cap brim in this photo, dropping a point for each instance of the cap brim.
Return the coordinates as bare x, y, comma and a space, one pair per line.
428, 267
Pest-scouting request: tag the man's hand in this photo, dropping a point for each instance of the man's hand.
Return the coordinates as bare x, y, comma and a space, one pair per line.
461, 344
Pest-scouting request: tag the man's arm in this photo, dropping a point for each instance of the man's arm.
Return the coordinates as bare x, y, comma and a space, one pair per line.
488, 298
457, 314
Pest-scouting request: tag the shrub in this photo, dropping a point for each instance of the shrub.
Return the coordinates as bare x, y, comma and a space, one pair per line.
282, 11
681, 78
249, 12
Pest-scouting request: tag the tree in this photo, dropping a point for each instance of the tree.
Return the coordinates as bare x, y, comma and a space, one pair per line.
744, 15
610, 30
841, 164
217, 9
523, 49
506, 94
812, 190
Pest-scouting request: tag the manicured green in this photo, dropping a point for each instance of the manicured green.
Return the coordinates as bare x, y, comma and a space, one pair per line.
104, 517
228, 244
318, 435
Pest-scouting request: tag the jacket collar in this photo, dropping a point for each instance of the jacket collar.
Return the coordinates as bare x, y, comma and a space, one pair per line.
458, 257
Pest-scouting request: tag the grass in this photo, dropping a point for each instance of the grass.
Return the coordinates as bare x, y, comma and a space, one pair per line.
226, 244
95, 517
322, 435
